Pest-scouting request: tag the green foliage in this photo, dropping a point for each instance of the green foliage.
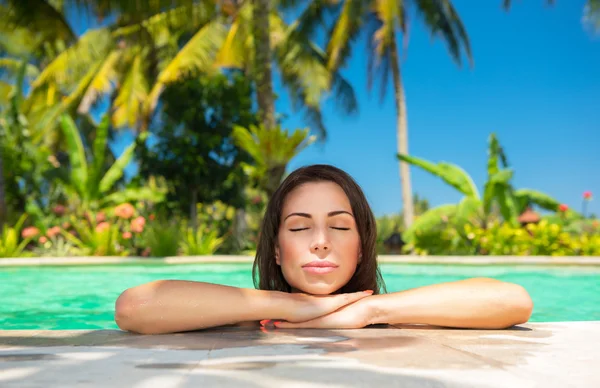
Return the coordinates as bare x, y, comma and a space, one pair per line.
10, 241
193, 146
93, 239
203, 241
91, 184
162, 239
500, 199
271, 149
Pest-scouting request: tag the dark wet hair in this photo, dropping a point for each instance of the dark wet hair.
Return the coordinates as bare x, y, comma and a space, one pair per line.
267, 274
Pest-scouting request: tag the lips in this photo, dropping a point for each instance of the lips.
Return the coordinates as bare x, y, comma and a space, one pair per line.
320, 264
319, 267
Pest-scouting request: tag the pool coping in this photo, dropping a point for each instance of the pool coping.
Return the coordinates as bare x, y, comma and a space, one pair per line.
230, 259
554, 354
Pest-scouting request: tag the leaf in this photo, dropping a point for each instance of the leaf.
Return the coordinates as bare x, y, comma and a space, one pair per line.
135, 194
129, 102
428, 220
467, 211
77, 159
103, 82
534, 197
508, 205
115, 172
99, 147
449, 173
197, 55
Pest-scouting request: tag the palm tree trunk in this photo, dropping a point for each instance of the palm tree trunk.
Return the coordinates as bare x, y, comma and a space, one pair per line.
262, 61
402, 136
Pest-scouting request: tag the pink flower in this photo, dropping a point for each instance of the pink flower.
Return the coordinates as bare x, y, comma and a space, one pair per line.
100, 217
29, 232
43, 240
66, 225
587, 195
127, 235
137, 224
53, 231
59, 210
124, 210
563, 207
101, 227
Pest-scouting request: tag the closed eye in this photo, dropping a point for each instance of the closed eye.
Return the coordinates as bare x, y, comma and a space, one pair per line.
340, 228
297, 229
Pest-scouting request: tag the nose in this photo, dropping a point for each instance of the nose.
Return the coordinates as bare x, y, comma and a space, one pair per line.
321, 244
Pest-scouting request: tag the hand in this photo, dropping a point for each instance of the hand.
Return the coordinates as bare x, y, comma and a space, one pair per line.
352, 316
299, 307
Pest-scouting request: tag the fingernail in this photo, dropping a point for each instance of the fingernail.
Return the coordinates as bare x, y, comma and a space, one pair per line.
369, 291
276, 323
264, 322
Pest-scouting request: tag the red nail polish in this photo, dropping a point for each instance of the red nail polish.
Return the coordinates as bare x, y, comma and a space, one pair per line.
276, 323
264, 322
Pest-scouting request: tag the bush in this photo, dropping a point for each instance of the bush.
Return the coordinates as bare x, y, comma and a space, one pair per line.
542, 239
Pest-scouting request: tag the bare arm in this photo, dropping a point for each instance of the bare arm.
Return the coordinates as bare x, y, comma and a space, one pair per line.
474, 304
479, 303
169, 306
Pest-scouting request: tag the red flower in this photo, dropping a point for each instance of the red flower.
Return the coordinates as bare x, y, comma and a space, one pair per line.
59, 210
125, 211
53, 231
137, 224
29, 232
126, 235
151, 217
43, 240
101, 227
587, 194
563, 207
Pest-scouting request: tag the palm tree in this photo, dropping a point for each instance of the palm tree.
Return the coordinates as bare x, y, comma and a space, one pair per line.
382, 21
135, 59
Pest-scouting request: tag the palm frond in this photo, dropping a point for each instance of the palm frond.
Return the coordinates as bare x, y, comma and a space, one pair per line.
440, 18
103, 82
12, 65
345, 31
449, 173
70, 65
196, 56
41, 17
128, 105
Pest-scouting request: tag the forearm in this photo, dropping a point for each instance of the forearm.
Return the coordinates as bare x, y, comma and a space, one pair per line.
175, 306
473, 303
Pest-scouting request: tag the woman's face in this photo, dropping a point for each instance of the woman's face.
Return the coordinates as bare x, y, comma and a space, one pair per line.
318, 244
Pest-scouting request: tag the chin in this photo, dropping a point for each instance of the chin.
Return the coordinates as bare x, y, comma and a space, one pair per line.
318, 289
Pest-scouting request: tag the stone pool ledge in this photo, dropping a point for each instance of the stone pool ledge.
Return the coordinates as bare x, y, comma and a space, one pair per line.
384, 259
531, 355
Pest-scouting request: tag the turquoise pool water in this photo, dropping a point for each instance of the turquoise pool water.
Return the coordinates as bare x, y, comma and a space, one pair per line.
59, 298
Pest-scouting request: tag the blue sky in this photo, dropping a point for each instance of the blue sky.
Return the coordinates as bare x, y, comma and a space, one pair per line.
535, 83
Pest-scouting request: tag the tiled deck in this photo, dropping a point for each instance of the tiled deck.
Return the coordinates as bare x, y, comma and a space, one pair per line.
532, 355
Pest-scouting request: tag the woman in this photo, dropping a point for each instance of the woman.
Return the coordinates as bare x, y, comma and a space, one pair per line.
316, 267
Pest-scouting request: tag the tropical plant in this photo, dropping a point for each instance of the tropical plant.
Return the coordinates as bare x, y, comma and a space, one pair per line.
162, 239
10, 246
192, 146
382, 20
86, 180
271, 149
96, 239
202, 241
475, 208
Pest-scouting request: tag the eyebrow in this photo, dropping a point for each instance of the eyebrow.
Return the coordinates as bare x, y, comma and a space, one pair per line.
330, 214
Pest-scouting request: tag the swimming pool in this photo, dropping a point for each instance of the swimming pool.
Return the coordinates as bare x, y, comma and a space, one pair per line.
82, 297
